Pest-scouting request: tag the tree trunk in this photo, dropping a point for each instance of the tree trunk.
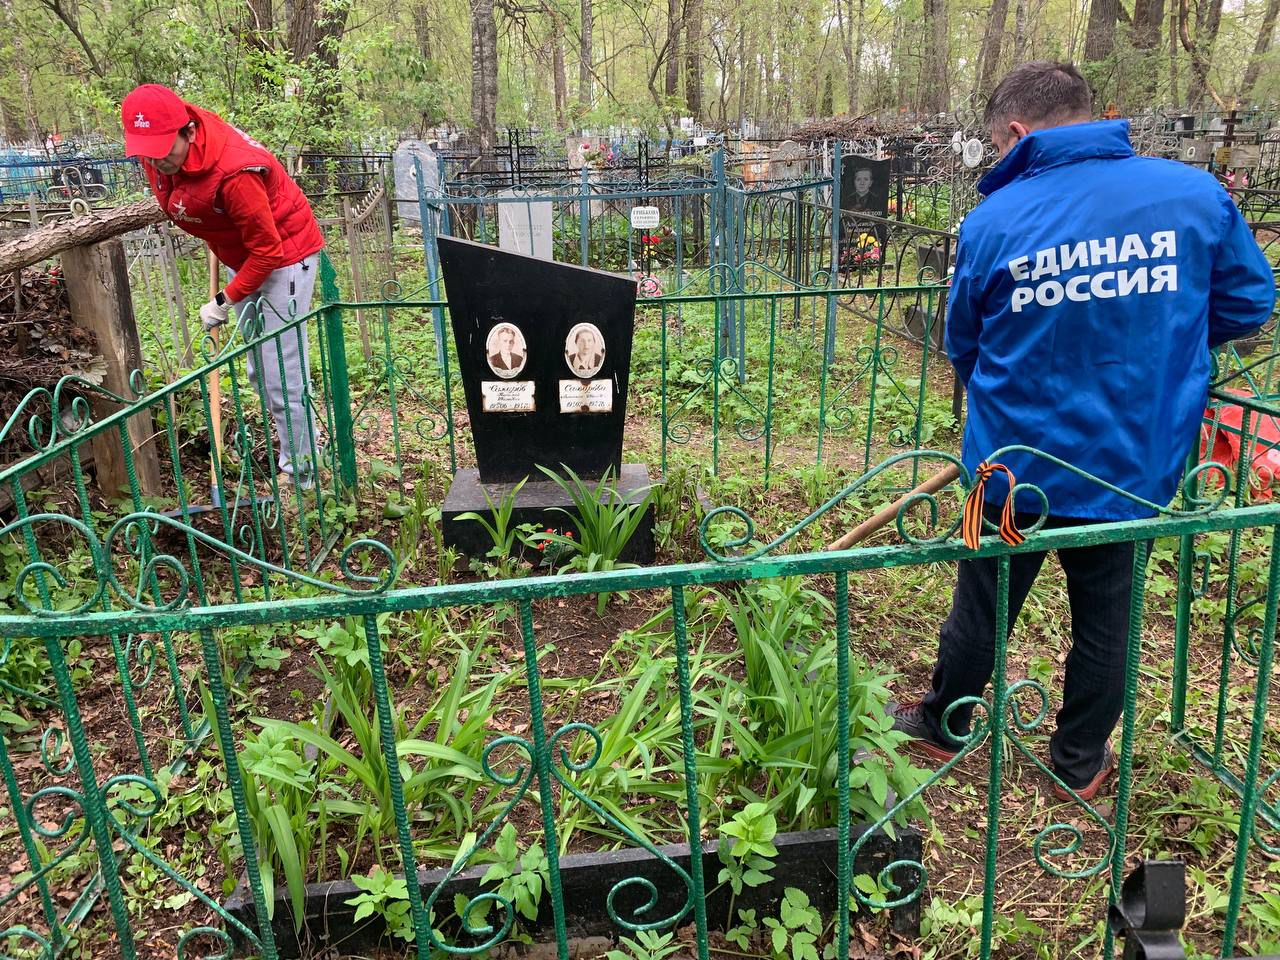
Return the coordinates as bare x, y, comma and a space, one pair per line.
315, 29
672, 51
422, 29
1148, 16
559, 80
585, 61
992, 44
1100, 35
1208, 18
855, 75
845, 28
1173, 53
693, 57
1260, 50
900, 89
484, 73
936, 94
100, 225
1020, 32
259, 19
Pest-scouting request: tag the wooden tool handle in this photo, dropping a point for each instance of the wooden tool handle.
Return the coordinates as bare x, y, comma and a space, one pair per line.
863, 530
215, 385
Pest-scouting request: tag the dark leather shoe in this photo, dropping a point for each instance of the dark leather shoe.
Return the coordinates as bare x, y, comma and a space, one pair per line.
908, 718
1090, 789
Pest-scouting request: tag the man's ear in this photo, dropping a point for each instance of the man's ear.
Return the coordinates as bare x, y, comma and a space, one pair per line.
1017, 131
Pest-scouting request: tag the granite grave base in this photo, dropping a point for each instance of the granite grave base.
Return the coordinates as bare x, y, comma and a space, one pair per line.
805, 860
535, 504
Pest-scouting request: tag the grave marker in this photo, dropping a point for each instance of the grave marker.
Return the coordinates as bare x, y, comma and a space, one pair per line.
544, 355
406, 178
525, 227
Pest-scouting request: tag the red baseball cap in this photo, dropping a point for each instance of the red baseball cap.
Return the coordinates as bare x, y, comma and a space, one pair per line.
152, 115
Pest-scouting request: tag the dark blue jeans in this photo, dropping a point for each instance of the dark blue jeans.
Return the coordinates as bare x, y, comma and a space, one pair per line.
1099, 582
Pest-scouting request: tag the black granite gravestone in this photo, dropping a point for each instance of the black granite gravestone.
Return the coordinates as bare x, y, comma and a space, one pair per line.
544, 354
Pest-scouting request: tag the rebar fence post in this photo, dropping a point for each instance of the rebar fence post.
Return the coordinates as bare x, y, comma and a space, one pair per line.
339, 382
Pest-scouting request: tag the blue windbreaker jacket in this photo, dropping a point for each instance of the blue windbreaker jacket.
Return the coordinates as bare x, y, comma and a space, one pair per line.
1088, 290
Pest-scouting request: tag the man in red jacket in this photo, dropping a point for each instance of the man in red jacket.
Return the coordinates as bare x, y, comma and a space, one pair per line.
221, 186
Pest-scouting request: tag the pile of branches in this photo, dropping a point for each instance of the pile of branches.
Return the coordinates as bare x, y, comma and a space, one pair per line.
39, 343
836, 128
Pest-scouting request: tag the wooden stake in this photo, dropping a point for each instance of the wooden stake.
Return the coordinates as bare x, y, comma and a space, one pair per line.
863, 530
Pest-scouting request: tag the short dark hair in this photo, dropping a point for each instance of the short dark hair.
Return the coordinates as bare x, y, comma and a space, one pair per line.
1040, 93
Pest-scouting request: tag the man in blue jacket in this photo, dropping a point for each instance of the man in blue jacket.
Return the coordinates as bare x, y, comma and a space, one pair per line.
1090, 287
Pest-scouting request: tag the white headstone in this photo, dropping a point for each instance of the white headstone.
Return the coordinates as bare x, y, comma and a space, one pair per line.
525, 227
1196, 151
786, 161
406, 177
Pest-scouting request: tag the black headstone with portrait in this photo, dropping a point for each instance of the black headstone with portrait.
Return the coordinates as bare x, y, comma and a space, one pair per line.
864, 185
544, 355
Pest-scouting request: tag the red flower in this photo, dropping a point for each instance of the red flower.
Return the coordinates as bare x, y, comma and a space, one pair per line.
569, 534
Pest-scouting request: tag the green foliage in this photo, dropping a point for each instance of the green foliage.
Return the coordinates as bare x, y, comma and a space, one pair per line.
795, 932
386, 895
605, 522
503, 533
788, 695
646, 945
752, 829
522, 876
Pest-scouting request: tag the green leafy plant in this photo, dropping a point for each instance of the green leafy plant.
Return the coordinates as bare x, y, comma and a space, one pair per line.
386, 895
647, 945
794, 932
604, 520
788, 703
503, 533
522, 876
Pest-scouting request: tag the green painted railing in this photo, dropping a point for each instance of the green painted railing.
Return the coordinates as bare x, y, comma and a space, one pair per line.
161, 596
103, 813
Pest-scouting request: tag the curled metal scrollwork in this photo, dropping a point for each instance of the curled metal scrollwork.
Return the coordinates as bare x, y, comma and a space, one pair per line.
650, 892
724, 512
1016, 724
198, 934
979, 725
490, 937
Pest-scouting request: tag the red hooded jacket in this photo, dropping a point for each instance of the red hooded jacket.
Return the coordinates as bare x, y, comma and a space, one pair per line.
237, 197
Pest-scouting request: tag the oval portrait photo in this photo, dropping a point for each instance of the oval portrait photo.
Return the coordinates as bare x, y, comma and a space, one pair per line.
584, 350
506, 349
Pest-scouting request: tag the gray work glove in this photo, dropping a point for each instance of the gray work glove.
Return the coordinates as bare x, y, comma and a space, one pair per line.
215, 312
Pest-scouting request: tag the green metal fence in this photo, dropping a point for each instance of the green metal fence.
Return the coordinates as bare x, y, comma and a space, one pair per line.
164, 599
555, 756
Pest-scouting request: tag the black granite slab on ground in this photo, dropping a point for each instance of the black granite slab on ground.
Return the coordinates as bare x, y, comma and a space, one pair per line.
805, 860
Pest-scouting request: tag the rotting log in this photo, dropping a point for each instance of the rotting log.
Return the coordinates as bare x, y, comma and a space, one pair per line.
94, 227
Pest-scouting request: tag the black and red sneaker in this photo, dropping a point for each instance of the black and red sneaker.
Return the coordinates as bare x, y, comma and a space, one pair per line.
908, 718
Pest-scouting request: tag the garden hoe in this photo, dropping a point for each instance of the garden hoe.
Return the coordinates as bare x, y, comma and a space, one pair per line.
863, 530
215, 430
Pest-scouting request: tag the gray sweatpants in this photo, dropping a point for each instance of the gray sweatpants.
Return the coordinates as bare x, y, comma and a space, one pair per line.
280, 369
